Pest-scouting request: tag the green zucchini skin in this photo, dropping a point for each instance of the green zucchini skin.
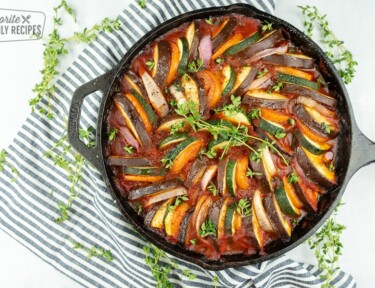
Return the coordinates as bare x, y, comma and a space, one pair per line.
171, 139
229, 219
231, 177
243, 44
179, 148
184, 57
154, 171
148, 109
231, 81
283, 201
269, 127
308, 145
282, 77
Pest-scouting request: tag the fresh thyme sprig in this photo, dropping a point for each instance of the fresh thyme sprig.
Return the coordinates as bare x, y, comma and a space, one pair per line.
4, 162
243, 207
339, 54
160, 271
195, 66
328, 247
95, 251
55, 47
72, 162
142, 3
236, 135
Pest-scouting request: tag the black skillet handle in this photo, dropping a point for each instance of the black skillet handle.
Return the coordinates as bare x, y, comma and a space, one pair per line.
363, 150
103, 84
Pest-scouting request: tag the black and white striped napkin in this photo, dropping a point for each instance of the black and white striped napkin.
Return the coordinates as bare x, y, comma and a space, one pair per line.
28, 208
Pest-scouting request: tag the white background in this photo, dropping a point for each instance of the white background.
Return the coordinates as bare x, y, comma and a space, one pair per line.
352, 21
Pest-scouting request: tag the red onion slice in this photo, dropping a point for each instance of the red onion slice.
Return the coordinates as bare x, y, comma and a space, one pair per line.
205, 49
125, 132
267, 52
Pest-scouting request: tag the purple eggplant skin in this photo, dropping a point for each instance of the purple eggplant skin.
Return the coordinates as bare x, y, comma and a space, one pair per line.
246, 83
125, 104
164, 63
262, 180
317, 128
153, 188
266, 43
248, 224
269, 206
265, 103
194, 45
195, 170
221, 175
184, 226
214, 213
201, 94
136, 80
128, 161
304, 91
301, 196
310, 171
289, 61
224, 34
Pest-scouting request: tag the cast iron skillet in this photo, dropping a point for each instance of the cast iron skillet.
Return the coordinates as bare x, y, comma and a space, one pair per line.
354, 150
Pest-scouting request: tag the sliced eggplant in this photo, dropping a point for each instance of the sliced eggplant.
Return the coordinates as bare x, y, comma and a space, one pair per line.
313, 94
196, 172
150, 189
314, 168
173, 121
132, 81
184, 226
261, 98
193, 40
267, 41
127, 161
208, 175
225, 32
132, 121
312, 146
172, 139
221, 176
155, 95
290, 60
285, 202
215, 211
184, 153
163, 63
315, 121
244, 79
164, 195
260, 212
280, 223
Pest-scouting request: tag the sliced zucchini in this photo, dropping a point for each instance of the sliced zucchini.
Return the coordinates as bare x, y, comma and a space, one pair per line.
241, 76
183, 46
217, 122
218, 144
231, 177
320, 119
314, 147
172, 139
235, 118
158, 219
294, 72
271, 127
155, 171
243, 44
183, 153
229, 77
291, 194
285, 203
173, 219
191, 90
147, 108
260, 212
222, 217
167, 125
229, 219
282, 77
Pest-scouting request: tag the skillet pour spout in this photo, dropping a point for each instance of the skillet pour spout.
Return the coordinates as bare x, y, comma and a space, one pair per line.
355, 150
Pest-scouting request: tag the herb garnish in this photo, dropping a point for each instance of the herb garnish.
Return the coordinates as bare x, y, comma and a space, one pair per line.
129, 149
150, 64
4, 162
232, 108
250, 173
293, 178
177, 202
160, 271
193, 241
338, 53
195, 66
86, 136
327, 246
207, 228
219, 60
266, 26
243, 208
255, 114
212, 188
112, 134
55, 47
326, 127
95, 252
261, 73
142, 3
277, 86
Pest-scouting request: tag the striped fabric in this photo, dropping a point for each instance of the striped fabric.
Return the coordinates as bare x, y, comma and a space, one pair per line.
28, 206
